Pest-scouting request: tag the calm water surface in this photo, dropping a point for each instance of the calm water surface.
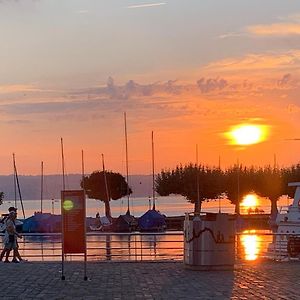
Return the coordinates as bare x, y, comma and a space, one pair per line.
251, 245
170, 206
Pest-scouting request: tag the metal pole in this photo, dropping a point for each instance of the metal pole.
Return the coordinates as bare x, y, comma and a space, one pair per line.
42, 184
106, 187
82, 170
127, 172
62, 240
153, 170
62, 162
238, 187
15, 182
62, 218
85, 251
18, 185
197, 212
219, 167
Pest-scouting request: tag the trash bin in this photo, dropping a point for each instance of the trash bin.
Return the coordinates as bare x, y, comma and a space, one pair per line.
209, 241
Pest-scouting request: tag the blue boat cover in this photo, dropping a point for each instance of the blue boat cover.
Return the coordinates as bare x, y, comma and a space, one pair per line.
42, 222
152, 220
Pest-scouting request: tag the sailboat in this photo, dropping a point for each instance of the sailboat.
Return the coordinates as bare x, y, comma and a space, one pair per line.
152, 220
127, 222
42, 222
18, 222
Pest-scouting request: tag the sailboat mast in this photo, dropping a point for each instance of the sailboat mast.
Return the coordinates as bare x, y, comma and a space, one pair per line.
62, 163
153, 170
107, 207
82, 170
15, 182
127, 172
238, 188
197, 208
42, 184
18, 185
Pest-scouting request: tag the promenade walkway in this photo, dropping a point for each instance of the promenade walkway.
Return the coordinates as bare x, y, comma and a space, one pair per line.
153, 280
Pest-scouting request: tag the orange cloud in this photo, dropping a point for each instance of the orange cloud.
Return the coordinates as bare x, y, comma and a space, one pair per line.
15, 88
289, 60
275, 29
181, 113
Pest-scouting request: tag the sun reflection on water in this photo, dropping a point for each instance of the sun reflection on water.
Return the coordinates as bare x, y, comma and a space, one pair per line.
251, 243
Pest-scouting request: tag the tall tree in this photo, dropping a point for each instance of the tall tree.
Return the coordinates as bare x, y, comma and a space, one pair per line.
191, 181
270, 184
238, 181
290, 174
96, 188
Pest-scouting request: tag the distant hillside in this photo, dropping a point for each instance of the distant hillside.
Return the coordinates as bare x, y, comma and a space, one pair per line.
30, 186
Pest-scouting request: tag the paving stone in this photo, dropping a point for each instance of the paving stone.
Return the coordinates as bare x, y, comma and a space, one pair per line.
149, 280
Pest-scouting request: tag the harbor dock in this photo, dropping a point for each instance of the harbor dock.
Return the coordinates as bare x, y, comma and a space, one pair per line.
149, 280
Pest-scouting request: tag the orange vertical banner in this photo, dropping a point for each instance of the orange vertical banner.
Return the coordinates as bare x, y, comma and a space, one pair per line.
73, 221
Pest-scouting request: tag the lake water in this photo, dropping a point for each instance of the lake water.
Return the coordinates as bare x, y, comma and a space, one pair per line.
170, 206
251, 245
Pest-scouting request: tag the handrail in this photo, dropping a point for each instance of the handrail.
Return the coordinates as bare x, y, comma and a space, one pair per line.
138, 246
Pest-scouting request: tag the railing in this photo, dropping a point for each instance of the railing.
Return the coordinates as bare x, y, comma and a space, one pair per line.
250, 245
107, 246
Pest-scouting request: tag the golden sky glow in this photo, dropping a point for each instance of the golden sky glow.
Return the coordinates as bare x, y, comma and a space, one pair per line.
280, 29
76, 83
250, 201
247, 134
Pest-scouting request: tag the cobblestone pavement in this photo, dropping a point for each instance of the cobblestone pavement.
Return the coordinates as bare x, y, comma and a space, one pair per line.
153, 280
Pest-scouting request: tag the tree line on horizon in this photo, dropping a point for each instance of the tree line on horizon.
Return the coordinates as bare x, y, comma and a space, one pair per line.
208, 183
203, 183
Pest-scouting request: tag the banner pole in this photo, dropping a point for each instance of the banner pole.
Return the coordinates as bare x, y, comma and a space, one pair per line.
62, 240
62, 218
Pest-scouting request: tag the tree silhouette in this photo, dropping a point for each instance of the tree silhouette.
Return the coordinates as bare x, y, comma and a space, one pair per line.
188, 180
1, 198
290, 174
270, 184
238, 181
95, 187
235, 182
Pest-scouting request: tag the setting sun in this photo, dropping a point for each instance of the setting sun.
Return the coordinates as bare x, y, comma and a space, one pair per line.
250, 201
247, 134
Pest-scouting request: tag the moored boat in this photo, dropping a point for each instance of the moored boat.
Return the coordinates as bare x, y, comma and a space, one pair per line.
286, 239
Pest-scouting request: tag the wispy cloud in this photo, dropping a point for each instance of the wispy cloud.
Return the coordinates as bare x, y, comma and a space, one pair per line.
231, 35
15, 88
279, 61
275, 29
83, 11
287, 26
147, 5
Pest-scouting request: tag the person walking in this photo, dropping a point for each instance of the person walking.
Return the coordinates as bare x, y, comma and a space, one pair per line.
10, 239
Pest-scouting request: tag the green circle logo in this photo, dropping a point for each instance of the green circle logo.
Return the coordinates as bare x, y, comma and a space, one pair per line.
68, 205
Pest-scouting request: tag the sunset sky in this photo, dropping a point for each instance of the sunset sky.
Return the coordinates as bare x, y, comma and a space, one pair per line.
189, 70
